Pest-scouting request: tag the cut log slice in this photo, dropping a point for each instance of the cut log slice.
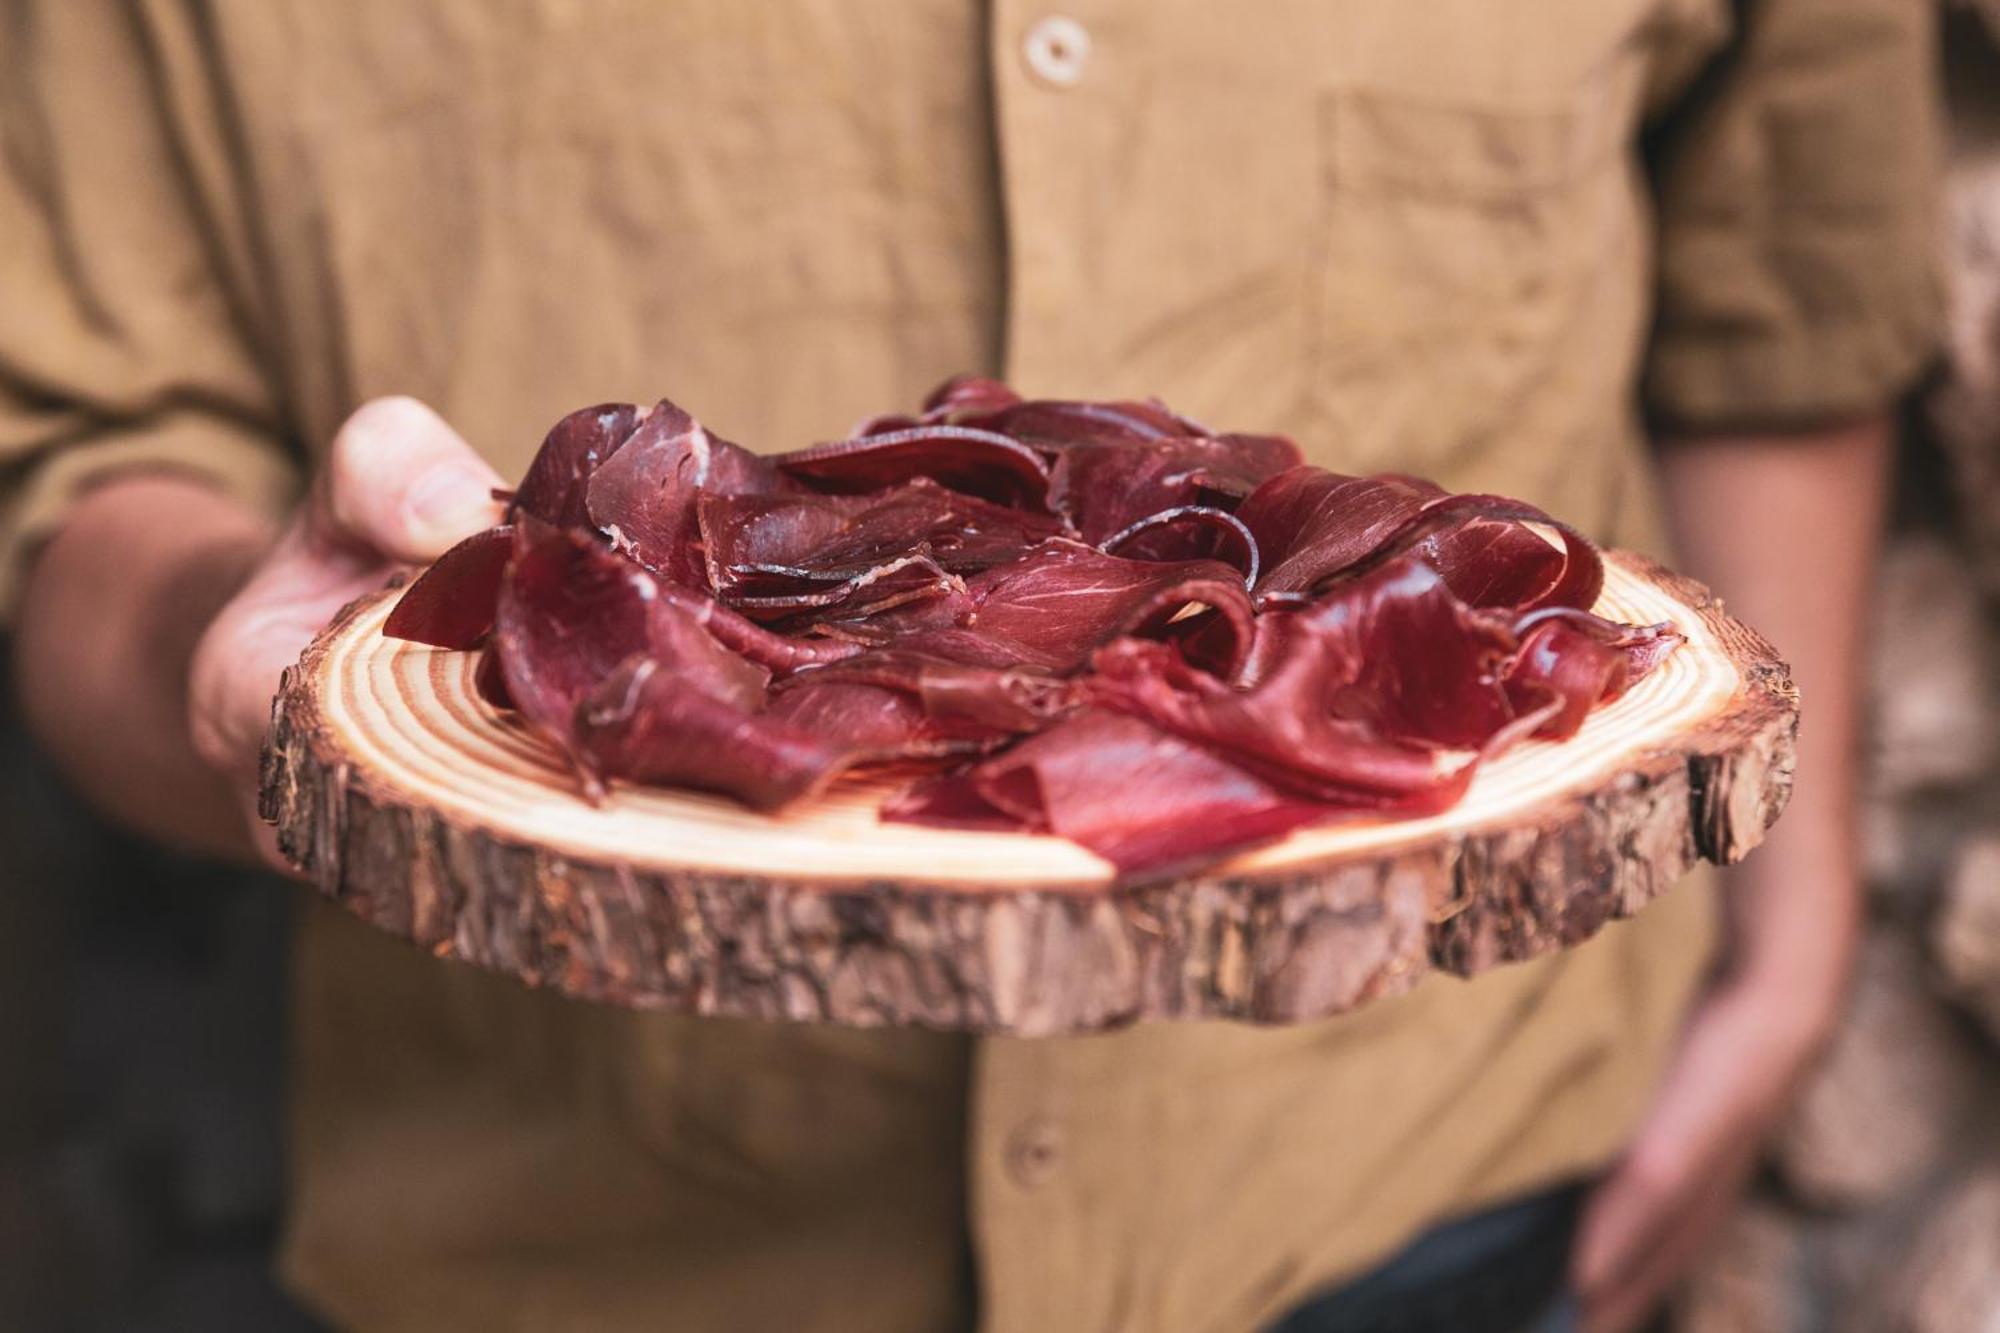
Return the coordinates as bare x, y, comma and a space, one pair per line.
404, 796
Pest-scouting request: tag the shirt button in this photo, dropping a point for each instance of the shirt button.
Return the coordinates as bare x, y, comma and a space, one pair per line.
1032, 1151
1057, 49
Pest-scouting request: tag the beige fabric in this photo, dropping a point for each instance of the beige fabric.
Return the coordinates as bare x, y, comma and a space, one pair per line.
1797, 270
1416, 236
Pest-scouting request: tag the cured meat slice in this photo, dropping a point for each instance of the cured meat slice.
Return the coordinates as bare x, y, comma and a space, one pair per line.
778, 653
777, 596
649, 722
1063, 599
553, 489
874, 724
952, 403
977, 462
451, 604
1095, 620
1580, 661
1051, 421
1146, 801
631, 684
1237, 464
1051, 608
1310, 523
1405, 656
1104, 487
989, 700
1189, 532
570, 612
1314, 527
940, 617
764, 544
1286, 731
1498, 552
646, 498
1381, 694
964, 394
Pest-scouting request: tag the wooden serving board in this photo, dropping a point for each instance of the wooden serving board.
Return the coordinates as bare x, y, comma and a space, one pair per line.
405, 797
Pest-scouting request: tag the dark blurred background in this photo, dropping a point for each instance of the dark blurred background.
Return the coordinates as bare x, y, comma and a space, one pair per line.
142, 1012
142, 998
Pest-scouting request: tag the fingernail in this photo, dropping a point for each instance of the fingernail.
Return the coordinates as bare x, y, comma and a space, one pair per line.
450, 502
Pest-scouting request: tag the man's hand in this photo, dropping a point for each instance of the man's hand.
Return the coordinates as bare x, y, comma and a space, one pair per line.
1785, 528
158, 620
399, 487
1745, 1049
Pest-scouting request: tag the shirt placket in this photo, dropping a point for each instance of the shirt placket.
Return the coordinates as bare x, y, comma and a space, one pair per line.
1028, 1180
1053, 64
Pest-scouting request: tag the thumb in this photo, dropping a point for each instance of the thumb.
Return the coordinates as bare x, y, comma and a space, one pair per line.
399, 485
401, 482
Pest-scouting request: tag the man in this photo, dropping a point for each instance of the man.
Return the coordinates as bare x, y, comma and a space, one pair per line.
1416, 237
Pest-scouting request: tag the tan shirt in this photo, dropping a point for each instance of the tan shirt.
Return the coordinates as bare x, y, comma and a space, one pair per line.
1416, 236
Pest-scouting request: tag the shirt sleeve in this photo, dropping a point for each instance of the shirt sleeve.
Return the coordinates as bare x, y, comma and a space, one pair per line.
125, 337
1797, 189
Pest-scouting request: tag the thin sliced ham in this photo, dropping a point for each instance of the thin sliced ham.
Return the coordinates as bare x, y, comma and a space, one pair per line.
451, 604
981, 463
575, 447
1096, 621
1177, 805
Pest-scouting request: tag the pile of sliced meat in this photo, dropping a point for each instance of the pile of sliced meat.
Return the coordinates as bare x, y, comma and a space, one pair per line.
1094, 620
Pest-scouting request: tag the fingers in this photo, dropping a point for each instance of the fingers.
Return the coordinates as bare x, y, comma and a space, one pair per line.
399, 486
1686, 1227
1627, 1252
401, 482
1687, 1162
261, 631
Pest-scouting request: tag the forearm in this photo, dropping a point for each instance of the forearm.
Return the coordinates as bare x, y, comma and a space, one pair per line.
113, 607
1786, 529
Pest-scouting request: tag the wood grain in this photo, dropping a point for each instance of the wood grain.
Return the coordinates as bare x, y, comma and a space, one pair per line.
402, 795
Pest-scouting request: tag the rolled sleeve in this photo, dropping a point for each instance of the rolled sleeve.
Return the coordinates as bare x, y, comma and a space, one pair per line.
128, 338
1797, 195
241, 463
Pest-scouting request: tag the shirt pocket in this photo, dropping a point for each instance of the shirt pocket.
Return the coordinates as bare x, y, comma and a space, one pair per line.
1477, 274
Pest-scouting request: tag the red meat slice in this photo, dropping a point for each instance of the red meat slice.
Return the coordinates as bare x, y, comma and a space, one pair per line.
1146, 801
570, 612
873, 723
1096, 620
1050, 421
985, 700
1103, 487
1053, 607
654, 720
765, 546
553, 489
451, 604
646, 497
1580, 661
1063, 599
977, 462
1189, 532
1310, 523
1314, 527
967, 394
490, 680
1341, 710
